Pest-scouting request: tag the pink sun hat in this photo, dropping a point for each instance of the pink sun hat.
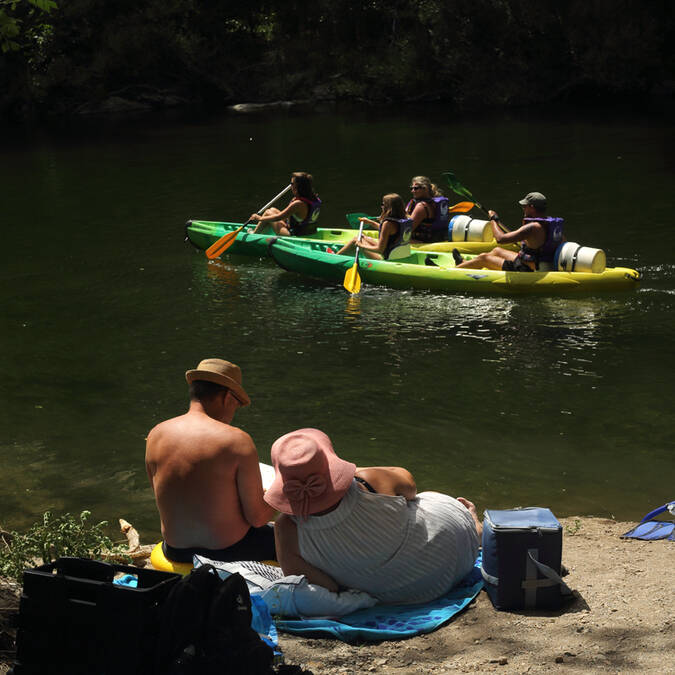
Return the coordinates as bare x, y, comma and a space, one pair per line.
310, 477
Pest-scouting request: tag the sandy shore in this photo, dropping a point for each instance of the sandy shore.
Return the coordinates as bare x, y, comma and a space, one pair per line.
621, 621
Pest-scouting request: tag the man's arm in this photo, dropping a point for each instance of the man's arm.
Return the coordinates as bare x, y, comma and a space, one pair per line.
522, 233
249, 484
288, 555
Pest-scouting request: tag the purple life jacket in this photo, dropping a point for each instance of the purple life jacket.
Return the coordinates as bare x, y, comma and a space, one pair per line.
436, 228
554, 237
401, 239
306, 226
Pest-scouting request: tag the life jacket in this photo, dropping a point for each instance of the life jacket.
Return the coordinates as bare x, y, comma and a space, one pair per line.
546, 252
306, 226
398, 246
436, 228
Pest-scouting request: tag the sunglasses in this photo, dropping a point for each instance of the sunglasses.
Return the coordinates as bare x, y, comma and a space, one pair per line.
417, 187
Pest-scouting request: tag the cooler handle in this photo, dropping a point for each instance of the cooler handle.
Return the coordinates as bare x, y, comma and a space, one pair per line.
552, 579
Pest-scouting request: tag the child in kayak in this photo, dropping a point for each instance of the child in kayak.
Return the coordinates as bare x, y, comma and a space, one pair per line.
395, 228
299, 218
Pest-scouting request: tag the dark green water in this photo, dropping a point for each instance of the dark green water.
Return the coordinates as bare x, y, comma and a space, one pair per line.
565, 403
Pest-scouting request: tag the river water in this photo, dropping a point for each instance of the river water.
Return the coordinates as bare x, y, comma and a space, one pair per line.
565, 403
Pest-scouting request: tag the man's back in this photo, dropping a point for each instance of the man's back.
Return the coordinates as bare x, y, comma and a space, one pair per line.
193, 462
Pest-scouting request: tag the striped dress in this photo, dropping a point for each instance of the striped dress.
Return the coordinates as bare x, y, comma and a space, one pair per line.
397, 550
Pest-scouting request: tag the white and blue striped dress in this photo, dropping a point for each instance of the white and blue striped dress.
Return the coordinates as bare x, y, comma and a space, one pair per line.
397, 550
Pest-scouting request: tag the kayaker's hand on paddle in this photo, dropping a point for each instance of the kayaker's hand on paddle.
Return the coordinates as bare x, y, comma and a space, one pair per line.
370, 222
254, 218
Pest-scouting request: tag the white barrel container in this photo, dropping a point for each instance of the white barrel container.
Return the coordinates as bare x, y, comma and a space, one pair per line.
465, 228
572, 257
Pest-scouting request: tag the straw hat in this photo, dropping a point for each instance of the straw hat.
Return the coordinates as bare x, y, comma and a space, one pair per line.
310, 477
220, 372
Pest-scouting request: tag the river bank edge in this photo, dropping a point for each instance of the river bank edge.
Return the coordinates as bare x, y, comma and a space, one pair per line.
620, 621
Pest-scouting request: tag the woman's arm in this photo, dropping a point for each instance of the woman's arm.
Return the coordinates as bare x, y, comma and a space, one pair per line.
379, 245
294, 207
369, 221
419, 213
389, 480
288, 555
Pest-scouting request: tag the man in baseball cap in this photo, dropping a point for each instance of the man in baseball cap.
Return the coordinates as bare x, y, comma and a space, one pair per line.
535, 199
539, 237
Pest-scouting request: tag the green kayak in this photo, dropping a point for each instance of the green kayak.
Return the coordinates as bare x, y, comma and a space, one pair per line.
203, 233
436, 271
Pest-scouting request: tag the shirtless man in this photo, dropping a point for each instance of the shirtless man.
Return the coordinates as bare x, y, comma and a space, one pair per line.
539, 235
205, 474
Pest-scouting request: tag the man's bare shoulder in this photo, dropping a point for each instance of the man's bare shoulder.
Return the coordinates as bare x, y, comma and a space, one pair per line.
189, 428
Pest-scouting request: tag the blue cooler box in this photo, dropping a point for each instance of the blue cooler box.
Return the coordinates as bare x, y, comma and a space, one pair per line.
522, 552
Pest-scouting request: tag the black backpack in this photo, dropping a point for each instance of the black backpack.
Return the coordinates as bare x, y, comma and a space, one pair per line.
205, 628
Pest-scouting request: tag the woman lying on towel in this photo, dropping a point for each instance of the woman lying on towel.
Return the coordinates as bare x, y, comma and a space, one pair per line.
366, 528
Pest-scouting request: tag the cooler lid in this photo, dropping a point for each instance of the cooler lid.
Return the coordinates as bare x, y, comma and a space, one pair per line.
534, 517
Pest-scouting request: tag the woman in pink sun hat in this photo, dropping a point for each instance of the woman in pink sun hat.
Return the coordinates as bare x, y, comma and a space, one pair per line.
366, 528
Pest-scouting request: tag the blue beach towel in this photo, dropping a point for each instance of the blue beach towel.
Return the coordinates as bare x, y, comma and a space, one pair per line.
650, 529
391, 622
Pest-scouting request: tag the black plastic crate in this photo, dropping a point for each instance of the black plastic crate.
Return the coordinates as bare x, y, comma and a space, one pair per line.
73, 619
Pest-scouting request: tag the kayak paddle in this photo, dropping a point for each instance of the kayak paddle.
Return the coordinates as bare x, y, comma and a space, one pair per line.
352, 280
219, 247
457, 187
462, 207
353, 218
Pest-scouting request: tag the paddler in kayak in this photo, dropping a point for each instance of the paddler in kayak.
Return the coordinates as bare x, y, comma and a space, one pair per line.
394, 228
540, 236
366, 528
429, 210
299, 218
205, 474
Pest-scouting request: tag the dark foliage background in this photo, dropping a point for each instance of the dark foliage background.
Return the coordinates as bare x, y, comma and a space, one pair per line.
86, 55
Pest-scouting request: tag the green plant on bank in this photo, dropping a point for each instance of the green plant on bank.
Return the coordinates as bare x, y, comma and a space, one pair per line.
573, 529
54, 538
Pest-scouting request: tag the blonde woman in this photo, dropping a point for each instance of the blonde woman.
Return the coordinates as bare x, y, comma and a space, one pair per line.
429, 211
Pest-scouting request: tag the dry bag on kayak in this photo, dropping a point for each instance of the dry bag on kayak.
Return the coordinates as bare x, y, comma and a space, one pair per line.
522, 552
572, 257
465, 228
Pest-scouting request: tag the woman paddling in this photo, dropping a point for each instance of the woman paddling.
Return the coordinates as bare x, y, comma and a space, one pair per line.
299, 218
429, 210
395, 228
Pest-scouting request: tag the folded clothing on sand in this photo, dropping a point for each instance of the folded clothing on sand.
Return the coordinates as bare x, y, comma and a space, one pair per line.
290, 595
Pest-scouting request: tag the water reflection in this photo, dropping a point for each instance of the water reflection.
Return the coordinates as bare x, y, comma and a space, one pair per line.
557, 401
221, 272
353, 307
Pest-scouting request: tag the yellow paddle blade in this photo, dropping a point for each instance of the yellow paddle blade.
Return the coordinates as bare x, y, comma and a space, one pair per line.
352, 280
219, 247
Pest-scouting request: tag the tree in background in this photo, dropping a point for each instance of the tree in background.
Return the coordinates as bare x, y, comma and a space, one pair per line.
466, 53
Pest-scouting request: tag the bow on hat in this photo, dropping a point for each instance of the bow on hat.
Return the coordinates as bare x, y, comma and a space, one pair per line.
304, 490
